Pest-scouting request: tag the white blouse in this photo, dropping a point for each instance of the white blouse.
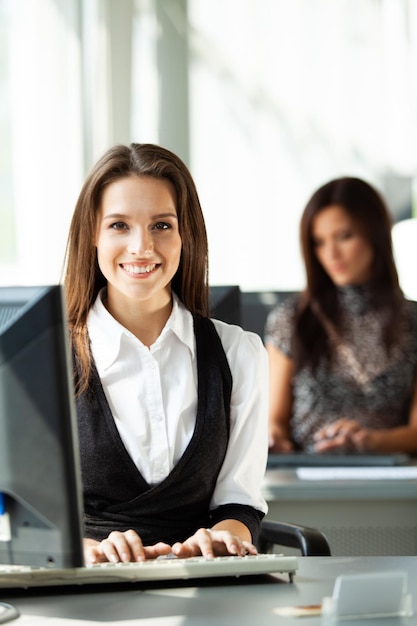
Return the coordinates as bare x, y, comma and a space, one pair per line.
152, 393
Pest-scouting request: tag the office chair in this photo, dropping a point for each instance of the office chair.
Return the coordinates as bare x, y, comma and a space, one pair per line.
310, 541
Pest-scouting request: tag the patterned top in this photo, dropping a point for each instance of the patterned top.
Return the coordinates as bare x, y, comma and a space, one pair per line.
377, 393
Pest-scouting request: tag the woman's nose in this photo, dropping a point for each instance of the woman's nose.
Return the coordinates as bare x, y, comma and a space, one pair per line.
141, 243
332, 251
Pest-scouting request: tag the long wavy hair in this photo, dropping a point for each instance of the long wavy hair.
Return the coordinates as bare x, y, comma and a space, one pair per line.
82, 276
367, 208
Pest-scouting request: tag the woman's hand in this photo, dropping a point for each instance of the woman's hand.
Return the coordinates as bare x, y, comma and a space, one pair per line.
210, 543
344, 434
122, 546
278, 440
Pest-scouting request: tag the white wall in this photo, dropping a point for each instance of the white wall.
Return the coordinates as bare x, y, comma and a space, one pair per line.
282, 96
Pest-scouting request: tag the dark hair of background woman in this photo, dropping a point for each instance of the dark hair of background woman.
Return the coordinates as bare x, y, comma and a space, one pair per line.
367, 208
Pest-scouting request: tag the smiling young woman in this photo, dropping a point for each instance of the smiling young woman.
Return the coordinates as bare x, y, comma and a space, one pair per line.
172, 406
138, 252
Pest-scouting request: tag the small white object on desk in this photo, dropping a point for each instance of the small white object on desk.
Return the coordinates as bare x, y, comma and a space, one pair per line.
7, 612
357, 473
382, 594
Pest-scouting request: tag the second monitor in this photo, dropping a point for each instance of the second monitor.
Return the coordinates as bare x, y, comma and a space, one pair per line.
226, 304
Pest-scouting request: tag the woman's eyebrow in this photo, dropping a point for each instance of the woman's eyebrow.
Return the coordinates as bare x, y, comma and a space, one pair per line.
162, 215
122, 216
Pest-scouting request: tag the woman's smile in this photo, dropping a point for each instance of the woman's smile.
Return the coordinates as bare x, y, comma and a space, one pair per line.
137, 270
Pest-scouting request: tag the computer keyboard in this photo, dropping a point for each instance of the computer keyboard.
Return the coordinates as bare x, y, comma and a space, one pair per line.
161, 569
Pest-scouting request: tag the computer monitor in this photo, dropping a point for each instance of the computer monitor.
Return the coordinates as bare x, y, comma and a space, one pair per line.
256, 306
40, 480
225, 304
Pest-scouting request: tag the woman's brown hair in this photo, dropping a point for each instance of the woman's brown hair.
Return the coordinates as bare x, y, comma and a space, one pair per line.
82, 276
367, 208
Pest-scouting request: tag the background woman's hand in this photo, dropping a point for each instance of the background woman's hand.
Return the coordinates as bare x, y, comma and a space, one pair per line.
343, 434
278, 439
211, 543
122, 546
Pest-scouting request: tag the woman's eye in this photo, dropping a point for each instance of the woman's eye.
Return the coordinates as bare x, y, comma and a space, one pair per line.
118, 226
345, 235
162, 226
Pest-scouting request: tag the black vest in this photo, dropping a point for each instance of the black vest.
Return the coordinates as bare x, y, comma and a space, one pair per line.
117, 497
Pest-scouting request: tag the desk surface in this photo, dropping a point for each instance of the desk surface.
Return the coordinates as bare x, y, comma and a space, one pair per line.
284, 483
240, 602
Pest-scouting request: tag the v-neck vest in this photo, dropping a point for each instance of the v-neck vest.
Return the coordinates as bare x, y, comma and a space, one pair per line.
117, 497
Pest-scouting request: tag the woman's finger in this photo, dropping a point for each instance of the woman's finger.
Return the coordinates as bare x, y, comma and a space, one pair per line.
123, 546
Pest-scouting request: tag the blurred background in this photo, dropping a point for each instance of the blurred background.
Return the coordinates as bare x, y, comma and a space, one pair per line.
264, 100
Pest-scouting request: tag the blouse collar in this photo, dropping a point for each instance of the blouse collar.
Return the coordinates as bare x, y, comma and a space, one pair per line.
356, 299
106, 333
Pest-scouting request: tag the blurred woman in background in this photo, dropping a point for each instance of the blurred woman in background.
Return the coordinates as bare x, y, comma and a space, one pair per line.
343, 353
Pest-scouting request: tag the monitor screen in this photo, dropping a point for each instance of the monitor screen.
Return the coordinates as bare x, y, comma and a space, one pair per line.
256, 306
40, 480
225, 304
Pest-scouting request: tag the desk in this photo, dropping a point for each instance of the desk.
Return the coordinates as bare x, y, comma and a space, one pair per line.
214, 603
359, 517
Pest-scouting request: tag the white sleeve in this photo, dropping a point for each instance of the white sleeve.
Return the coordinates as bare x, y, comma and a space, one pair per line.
243, 470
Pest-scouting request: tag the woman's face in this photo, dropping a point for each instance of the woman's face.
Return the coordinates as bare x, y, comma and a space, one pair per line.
137, 239
341, 248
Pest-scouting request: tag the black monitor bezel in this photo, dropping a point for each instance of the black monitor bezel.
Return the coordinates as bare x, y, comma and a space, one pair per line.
39, 460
